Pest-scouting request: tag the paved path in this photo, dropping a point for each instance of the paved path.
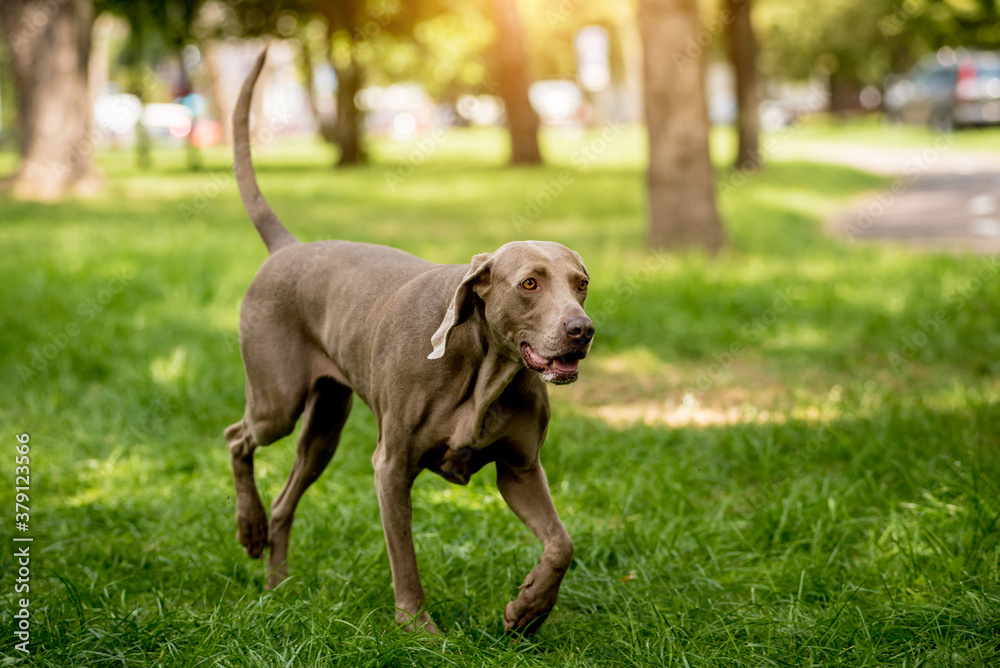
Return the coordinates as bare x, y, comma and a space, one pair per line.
941, 198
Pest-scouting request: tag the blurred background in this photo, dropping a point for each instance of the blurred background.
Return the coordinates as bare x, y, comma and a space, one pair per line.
784, 448
141, 75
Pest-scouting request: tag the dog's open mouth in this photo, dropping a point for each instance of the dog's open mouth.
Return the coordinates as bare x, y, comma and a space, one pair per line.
559, 370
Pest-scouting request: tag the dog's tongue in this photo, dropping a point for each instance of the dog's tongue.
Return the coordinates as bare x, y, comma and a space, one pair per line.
534, 359
569, 366
562, 365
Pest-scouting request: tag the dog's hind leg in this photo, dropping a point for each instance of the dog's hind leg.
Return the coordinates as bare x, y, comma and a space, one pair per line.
251, 521
327, 408
263, 423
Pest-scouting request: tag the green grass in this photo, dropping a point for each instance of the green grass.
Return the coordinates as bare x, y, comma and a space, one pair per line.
824, 496
874, 130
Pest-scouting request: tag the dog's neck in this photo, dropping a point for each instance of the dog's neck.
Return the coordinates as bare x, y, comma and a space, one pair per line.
480, 418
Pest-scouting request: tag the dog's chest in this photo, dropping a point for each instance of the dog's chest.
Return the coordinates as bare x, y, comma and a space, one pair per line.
458, 465
472, 443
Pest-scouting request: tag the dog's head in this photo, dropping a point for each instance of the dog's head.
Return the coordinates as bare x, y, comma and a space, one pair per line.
531, 296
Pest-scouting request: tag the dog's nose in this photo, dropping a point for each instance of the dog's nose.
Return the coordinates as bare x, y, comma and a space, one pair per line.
579, 330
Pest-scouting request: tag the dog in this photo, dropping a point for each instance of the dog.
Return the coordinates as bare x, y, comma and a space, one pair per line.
452, 360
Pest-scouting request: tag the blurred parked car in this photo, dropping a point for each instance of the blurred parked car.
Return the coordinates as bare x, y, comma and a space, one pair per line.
116, 114
952, 88
168, 123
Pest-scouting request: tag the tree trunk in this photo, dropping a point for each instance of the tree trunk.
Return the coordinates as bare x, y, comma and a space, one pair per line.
512, 81
743, 54
627, 24
50, 47
350, 120
326, 127
190, 149
845, 92
99, 60
343, 20
681, 179
222, 107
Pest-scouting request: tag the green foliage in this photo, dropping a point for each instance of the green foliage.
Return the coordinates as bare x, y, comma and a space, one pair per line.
855, 526
446, 52
552, 28
865, 40
799, 38
157, 28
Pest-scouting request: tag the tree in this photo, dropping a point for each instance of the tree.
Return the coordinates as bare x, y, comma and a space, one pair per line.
743, 55
375, 42
857, 42
681, 179
358, 28
344, 21
158, 29
49, 43
350, 120
837, 39
355, 38
512, 82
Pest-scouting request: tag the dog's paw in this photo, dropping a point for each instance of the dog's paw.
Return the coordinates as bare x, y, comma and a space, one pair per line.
421, 622
276, 576
251, 530
526, 614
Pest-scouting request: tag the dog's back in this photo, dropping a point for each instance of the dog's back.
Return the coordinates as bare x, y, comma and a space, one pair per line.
327, 296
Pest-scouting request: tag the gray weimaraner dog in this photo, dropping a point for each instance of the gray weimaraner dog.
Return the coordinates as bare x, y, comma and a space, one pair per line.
452, 360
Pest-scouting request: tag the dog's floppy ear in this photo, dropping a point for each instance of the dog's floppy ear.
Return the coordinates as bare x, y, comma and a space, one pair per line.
461, 307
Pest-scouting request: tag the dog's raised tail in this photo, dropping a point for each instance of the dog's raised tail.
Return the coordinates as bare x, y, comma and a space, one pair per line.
275, 235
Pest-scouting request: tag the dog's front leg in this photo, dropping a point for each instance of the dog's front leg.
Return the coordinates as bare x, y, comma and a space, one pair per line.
526, 491
393, 482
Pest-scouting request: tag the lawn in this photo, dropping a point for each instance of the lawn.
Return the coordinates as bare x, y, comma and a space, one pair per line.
783, 456
875, 130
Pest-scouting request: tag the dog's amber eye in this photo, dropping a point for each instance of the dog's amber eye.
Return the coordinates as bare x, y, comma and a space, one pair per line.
529, 284
583, 286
